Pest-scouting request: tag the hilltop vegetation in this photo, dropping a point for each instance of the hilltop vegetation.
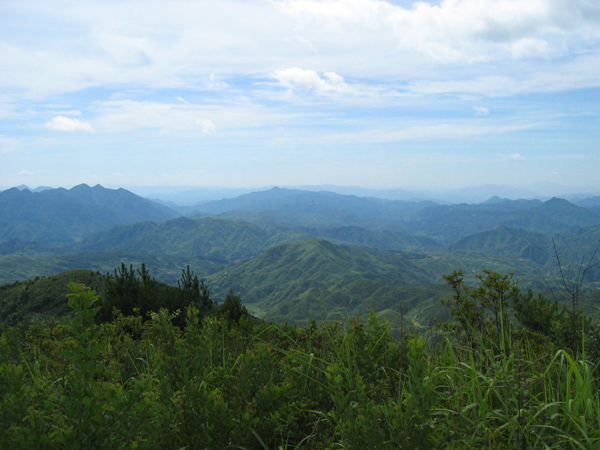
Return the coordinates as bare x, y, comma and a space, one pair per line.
222, 381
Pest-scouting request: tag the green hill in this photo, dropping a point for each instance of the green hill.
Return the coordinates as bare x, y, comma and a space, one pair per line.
396, 301
380, 239
509, 242
290, 272
204, 237
42, 295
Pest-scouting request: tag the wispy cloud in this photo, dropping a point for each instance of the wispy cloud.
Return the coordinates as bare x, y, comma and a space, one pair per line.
62, 123
513, 157
207, 126
27, 173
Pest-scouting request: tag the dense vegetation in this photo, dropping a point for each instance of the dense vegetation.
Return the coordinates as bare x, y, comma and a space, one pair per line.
511, 371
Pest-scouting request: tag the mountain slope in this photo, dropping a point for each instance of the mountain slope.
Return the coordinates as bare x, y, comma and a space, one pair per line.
284, 272
509, 242
449, 223
320, 204
47, 295
203, 237
60, 216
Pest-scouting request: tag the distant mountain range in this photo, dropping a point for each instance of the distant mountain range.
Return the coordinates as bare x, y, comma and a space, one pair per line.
60, 216
292, 253
472, 194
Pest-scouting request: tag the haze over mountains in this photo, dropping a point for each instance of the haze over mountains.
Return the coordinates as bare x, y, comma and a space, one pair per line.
293, 252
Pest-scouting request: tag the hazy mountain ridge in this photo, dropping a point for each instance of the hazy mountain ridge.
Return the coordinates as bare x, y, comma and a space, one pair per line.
308, 202
203, 237
60, 216
448, 223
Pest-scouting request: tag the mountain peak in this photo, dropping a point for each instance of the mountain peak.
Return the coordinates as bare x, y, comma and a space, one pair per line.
15, 191
493, 200
558, 202
80, 187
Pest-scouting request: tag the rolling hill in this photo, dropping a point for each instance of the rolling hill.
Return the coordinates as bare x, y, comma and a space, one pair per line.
509, 242
42, 295
285, 271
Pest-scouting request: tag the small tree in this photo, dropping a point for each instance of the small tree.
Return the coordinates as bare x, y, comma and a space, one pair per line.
232, 308
194, 292
482, 312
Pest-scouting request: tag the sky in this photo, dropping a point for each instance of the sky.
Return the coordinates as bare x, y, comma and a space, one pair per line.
253, 93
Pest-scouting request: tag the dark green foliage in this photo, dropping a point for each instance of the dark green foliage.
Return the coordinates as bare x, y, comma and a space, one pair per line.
541, 315
155, 385
194, 292
232, 309
132, 292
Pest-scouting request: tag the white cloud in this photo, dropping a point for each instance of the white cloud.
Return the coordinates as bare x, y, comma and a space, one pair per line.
62, 123
513, 157
456, 30
184, 44
248, 67
27, 173
65, 112
207, 126
296, 78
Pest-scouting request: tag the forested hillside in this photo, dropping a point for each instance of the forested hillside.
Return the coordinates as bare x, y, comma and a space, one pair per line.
292, 252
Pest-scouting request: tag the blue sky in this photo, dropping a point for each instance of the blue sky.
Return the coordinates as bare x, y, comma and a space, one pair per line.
256, 93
